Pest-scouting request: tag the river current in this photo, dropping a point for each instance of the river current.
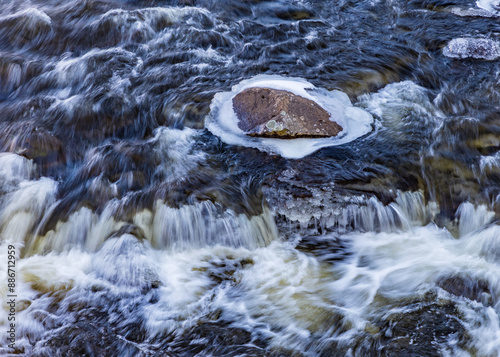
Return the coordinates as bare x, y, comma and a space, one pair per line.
141, 229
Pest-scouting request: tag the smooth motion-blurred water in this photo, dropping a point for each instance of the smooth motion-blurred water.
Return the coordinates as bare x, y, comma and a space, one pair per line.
141, 233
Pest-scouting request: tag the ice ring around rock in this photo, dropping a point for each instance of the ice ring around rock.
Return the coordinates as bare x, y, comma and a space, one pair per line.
223, 120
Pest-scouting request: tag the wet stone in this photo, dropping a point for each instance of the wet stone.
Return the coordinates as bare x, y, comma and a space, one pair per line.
34, 142
273, 113
423, 330
215, 338
28, 27
477, 48
467, 287
326, 248
293, 13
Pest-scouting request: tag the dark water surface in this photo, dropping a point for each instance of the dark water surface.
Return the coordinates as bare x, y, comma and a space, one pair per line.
140, 233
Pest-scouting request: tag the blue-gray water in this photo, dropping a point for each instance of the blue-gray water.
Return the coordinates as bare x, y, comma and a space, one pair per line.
141, 233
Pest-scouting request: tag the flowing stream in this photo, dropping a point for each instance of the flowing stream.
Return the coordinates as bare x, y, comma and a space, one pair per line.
145, 224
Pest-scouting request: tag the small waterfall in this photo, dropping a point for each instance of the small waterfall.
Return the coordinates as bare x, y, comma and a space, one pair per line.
25, 201
13, 169
188, 227
472, 218
25, 208
363, 214
205, 223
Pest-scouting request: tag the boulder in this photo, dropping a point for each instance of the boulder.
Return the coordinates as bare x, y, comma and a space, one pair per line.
273, 113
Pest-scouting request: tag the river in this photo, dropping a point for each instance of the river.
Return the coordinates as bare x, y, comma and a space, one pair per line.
141, 229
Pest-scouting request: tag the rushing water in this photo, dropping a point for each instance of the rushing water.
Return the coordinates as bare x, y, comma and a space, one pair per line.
145, 227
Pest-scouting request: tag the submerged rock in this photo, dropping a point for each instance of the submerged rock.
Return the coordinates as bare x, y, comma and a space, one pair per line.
424, 329
30, 26
266, 112
478, 48
467, 287
31, 140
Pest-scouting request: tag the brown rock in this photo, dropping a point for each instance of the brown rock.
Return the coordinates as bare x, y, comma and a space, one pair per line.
274, 113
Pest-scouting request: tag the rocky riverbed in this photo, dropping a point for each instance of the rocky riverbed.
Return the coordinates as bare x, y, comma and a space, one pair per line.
145, 221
